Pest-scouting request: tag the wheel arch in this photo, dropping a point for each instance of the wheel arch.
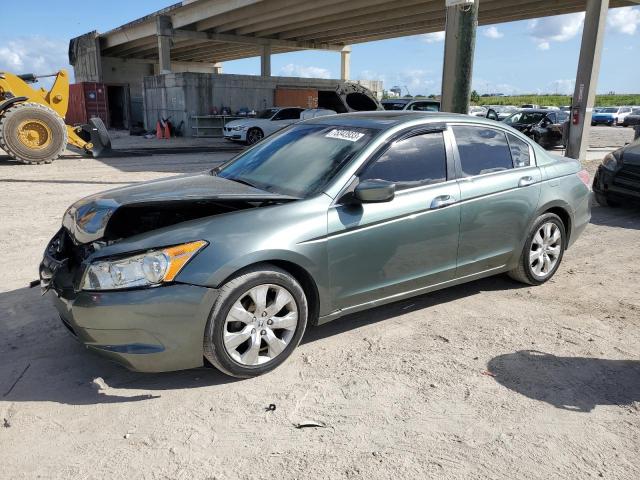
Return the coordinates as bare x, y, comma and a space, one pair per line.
302, 276
562, 211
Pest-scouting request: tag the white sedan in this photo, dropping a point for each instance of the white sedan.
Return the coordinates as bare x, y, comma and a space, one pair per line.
253, 129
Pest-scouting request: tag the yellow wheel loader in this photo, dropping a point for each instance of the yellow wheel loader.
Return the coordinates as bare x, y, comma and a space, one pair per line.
32, 126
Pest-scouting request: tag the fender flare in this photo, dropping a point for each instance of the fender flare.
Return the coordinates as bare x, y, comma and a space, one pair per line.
7, 103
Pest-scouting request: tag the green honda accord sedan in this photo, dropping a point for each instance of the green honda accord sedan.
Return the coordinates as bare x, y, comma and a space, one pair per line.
329, 216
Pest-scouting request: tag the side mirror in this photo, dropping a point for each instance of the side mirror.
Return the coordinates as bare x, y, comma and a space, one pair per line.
491, 114
375, 191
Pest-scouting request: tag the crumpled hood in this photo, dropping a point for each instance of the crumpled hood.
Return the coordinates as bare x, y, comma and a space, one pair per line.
87, 219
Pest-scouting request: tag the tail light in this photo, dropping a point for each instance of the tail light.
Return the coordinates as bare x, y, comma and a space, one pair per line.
583, 175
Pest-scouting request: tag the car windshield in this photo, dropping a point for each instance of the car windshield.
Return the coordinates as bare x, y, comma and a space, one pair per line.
266, 114
300, 160
525, 118
635, 111
393, 105
609, 110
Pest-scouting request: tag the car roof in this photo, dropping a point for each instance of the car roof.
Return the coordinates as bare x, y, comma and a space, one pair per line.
385, 119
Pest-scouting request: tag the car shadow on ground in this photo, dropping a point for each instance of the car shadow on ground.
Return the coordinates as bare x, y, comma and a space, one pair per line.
571, 383
619, 217
40, 361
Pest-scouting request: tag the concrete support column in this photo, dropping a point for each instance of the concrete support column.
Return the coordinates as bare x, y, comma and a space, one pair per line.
265, 61
217, 68
165, 32
345, 63
587, 77
459, 45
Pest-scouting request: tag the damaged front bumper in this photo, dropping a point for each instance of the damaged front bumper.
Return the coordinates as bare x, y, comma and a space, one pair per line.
147, 329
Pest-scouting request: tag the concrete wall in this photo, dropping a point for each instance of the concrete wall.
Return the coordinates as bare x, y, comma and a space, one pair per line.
132, 73
183, 95
84, 55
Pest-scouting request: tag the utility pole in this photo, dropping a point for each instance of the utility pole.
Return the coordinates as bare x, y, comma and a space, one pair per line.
587, 77
459, 46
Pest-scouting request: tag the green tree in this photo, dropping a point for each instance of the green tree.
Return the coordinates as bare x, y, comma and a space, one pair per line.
475, 97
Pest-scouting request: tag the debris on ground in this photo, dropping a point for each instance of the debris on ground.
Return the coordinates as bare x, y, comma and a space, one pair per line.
17, 380
99, 384
310, 424
270, 408
488, 373
6, 423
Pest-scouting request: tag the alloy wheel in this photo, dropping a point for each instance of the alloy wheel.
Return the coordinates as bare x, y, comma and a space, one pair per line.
546, 248
260, 324
254, 136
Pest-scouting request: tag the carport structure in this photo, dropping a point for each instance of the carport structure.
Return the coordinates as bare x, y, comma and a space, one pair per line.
207, 32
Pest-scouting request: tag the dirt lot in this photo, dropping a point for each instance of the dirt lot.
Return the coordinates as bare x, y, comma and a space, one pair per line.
485, 380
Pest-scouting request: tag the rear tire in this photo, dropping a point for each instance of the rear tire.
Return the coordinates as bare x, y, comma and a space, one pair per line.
237, 322
541, 247
32, 133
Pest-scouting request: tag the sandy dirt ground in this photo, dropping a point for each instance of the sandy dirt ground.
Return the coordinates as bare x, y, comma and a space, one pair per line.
486, 380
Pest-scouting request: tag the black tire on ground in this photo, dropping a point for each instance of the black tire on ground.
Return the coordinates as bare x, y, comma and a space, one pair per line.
254, 135
605, 200
17, 115
524, 272
214, 349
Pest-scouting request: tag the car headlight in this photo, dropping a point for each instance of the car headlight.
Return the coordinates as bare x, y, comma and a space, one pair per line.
610, 162
142, 270
240, 128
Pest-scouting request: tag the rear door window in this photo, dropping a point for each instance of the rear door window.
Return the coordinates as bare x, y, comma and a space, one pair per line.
412, 162
482, 150
519, 151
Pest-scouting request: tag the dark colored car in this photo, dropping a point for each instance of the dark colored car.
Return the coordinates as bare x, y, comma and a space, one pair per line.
618, 177
545, 127
632, 119
411, 104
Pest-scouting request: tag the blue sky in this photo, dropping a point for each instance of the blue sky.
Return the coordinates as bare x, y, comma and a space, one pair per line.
517, 57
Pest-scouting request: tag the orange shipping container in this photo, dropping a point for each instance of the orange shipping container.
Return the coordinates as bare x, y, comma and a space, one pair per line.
296, 97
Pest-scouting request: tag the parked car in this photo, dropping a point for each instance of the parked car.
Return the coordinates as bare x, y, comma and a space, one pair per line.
253, 129
316, 112
478, 111
545, 127
530, 105
617, 179
632, 119
327, 217
566, 108
420, 105
549, 107
610, 116
504, 111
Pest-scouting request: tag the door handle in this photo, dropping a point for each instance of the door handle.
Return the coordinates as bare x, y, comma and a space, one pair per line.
526, 181
442, 201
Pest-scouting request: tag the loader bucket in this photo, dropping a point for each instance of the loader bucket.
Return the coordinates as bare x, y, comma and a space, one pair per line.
96, 133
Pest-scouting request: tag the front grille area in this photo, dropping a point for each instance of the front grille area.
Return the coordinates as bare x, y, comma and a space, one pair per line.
628, 177
62, 258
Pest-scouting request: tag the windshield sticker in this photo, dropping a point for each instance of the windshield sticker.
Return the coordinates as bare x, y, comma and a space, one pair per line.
348, 135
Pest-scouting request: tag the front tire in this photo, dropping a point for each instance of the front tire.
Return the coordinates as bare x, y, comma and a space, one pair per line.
542, 252
32, 133
256, 323
254, 135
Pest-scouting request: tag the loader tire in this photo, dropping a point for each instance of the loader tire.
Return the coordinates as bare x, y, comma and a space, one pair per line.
32, 133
